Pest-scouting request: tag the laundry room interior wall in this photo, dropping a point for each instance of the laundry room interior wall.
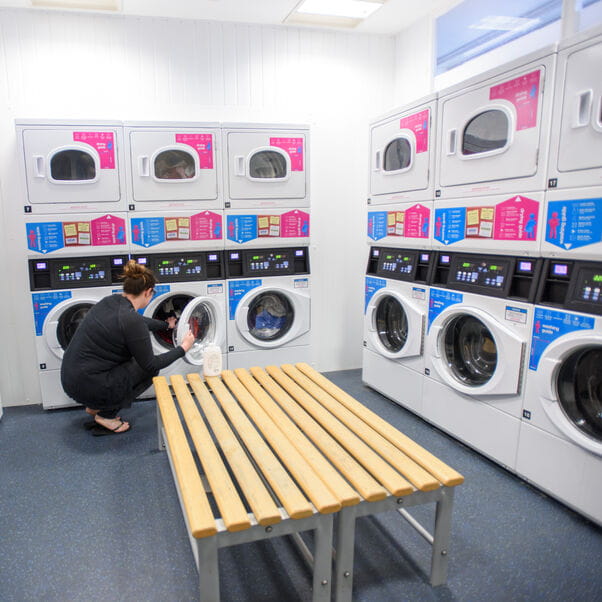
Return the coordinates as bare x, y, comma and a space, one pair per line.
65, 65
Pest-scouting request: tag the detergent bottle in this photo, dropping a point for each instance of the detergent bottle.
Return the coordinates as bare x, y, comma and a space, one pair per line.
212, 360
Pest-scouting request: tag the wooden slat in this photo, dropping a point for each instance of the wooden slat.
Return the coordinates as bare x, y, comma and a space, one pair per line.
380, 470
444, 473
280, 481
420, 478
312, 485
329, 475
232, 510
360, 478
194, 499
265, 510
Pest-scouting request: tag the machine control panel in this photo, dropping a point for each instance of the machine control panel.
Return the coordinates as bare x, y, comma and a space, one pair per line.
267, 262
484, 272
184, 267
411, 265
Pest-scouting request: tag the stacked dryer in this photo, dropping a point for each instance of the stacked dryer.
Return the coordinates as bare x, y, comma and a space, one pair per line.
399, 215
491, 157
560, 446
75, 231
267, 221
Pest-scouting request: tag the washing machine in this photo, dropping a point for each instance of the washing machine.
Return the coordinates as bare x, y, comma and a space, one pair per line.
402, 225
395, 313
269, 227
269, 306
560, 444
402, 157
176, 230
576, 133
192, 289
62, 292
495, 223
72, 166
493, 130
173, 166
266, 166
479, 324
73, 234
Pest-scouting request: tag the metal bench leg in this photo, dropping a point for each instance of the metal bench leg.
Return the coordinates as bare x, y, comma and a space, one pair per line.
161, 441
441, 537
208, 567
323, 558
345, 541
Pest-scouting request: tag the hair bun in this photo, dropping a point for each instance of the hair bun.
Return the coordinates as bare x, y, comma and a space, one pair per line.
133, 270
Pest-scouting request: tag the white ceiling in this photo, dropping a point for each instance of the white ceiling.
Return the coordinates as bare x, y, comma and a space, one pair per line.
394, 16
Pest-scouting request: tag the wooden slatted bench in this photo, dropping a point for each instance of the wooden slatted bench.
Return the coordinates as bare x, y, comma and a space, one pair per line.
303, 453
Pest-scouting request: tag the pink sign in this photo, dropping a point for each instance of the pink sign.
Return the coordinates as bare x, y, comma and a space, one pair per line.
419, 124
523, 93
108, 230
206, 226
294, 224
417, 222
516, 219
293, 147
103, 142
202, 144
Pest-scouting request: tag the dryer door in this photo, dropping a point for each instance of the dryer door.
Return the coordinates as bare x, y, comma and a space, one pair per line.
474, 354
71, 165
271, 317
170, 166
570, 387
204, 319
63, 321
395, 326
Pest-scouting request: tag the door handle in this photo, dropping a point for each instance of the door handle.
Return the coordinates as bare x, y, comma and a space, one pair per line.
583, 109
239, 162
377, 161
39, 171
143, 167
452, 142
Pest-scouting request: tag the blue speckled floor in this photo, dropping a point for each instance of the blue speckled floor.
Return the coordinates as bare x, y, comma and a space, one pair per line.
97, 518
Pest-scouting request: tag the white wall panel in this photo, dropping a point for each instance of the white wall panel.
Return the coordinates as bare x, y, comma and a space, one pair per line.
63, 65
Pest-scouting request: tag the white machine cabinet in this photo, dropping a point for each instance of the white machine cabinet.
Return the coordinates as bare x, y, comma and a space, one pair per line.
493, 129
576, 138
402, 154
266, 166
72, 166
169, 163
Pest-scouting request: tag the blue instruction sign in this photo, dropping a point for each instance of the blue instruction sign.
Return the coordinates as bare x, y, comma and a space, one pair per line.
377, 224
241, 228
237, 289
439, 300
43, 303
372, 285
450, 225
574, 223
45, 237
549, 325
147, 231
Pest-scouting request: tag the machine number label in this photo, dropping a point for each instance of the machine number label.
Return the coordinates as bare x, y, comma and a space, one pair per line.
516, 314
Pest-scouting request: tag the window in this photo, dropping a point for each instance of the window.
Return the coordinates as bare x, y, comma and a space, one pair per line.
267, 164
398, 155
72, 165
174, 165
485, 132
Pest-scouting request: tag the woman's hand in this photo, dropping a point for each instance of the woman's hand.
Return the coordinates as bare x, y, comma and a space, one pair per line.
187, 341
171, 322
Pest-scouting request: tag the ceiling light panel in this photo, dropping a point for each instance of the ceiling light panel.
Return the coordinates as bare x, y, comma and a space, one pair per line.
113, 5
351, 9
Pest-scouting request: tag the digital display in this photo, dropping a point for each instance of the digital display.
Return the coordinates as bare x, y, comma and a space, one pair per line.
444, 259
396, 262
180, 266
212, 257
560, 269
142, 260
41, 265
299, 253
117, 261
375, 252
525, 266
424, 257
273, 261
235, 256
482, 273
589, 286
80, 271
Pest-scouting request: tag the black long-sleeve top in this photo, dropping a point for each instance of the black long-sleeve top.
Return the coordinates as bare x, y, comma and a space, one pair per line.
96, 367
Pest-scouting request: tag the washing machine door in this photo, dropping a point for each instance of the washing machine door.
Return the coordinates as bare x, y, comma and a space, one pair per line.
162, 306
272, 317
204, 319
570, 387
63, 321
395, 325
475, 354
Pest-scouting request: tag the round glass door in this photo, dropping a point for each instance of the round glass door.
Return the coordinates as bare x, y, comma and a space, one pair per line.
398, 155
174, 164
72, 165
270, 316
486, 132
172, 306
267, 164
579, 386
391, 323
69, 322
470, 350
